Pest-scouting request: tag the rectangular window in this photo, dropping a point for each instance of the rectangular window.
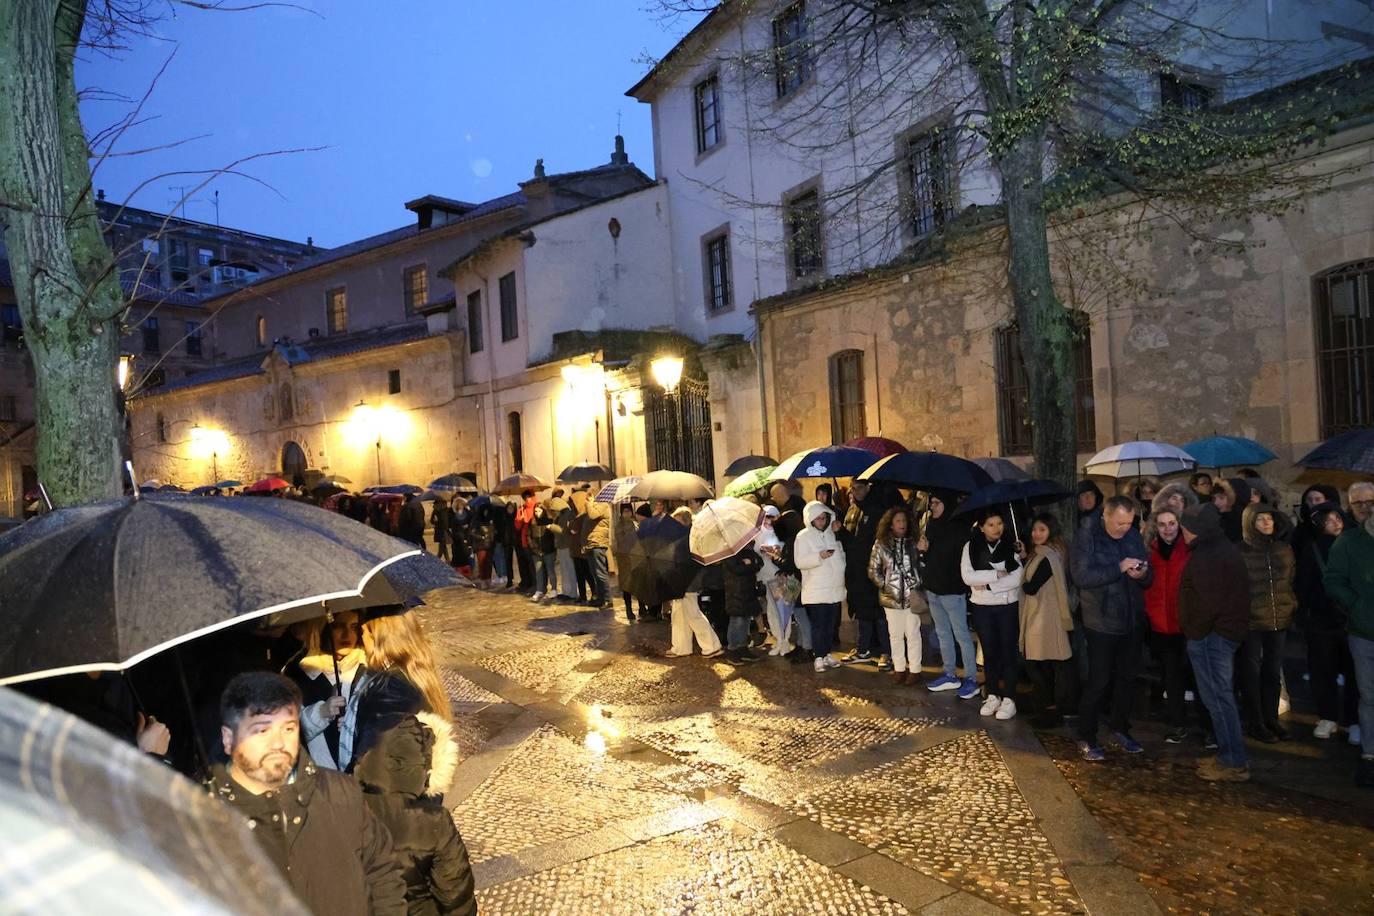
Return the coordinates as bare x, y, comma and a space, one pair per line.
791, 50
204, 256
930, 191
393, 381
847, 396
152, 343
1182, 94
475, 342
510, 317
707, 94
193, 338
180, 262
7, 408
416, 281
336, 309
717, 263
1013, 391
805, 245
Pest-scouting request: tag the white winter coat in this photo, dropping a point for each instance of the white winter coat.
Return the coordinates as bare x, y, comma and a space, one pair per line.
822, 578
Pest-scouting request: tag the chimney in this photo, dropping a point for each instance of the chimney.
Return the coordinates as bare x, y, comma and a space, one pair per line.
618, 157
538, 194
100, 194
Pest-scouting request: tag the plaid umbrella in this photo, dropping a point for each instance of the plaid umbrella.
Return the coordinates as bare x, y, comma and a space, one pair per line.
617, 491
93, 826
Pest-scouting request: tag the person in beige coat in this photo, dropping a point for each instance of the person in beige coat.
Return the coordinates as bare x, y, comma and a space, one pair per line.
1046, 620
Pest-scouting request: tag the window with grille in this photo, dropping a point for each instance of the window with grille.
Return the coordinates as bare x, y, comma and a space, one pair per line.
1013, 390
929, 167
707, 95
416, 283
336, 309
510, 318
475, 342
805, 245
1345, 348
193, 338
717, 263
1182, 94
152, 340
791, 50
846, 395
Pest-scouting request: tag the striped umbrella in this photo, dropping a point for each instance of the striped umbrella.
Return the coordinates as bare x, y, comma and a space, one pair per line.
617, 491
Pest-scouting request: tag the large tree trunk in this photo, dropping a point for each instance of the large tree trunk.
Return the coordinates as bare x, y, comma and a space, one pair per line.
68, 293
1047, 330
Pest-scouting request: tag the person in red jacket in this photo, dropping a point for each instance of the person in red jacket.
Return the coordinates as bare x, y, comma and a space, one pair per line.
524, 518
1168, 556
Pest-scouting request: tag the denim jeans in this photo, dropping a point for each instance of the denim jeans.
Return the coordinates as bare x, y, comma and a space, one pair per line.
601, 575
546, 573
823, 617
1214, 664
1362, 651
873, 637
950, 613
803, 621
737, 633
499, 561
567, 573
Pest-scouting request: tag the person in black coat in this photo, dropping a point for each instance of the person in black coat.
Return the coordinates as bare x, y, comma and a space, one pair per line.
939, 549
1328, 649
740, 574
860, 530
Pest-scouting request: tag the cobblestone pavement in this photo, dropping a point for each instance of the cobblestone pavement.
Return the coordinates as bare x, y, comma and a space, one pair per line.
602, 777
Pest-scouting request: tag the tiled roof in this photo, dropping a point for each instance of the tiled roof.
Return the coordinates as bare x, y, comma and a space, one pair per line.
136, 289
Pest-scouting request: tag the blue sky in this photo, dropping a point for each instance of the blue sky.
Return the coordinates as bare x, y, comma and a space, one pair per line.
406, 98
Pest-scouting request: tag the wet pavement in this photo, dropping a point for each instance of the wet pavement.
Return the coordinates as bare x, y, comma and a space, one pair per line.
601, 777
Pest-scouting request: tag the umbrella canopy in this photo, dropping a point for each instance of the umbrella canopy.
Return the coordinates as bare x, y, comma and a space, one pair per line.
929, 471
830, 461
747, 483
1034, 492
585, 472
1140, 458
749, 463
723, 528
516, 484
877, 445
456, 483
1352, 450
671, 485
95, 826
404, 489
617, 490
326, 487
170, 488
1002, 469
102, 586
229, 484
659, 563
268, 484
204, 491
1228, 452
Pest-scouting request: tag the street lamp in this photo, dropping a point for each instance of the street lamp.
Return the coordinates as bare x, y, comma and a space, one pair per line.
209, 441
364, 414
667, 371
123, 370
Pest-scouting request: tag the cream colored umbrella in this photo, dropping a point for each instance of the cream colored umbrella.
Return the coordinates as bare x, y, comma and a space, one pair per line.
723, 528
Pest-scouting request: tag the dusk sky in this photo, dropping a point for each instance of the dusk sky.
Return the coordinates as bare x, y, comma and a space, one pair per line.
449, 97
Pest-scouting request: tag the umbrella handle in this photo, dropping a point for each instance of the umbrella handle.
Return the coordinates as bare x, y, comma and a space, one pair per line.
329, 637
191, 711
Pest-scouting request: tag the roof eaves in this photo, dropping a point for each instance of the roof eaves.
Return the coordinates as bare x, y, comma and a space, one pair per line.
716, 17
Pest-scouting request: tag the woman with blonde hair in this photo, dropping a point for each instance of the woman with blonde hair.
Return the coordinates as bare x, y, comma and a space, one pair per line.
405, 758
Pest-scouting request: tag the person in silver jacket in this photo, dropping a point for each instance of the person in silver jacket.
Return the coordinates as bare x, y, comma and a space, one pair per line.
892, 567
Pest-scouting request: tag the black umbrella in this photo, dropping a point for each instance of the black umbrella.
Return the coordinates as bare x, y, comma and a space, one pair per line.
585, 472
457, 483
104, 585
660, 561
404, 489
204, 491
1006, 492
1350, 451
97, 827
929, 471
1002, 469
748, 463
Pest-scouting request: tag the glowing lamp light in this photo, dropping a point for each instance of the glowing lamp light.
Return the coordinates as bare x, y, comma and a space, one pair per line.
207, 443
667, 371
123, 370
572, 373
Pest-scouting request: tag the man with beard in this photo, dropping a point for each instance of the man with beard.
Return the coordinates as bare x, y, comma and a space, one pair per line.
310, 821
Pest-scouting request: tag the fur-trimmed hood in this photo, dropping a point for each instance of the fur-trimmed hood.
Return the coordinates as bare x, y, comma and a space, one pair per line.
416, 758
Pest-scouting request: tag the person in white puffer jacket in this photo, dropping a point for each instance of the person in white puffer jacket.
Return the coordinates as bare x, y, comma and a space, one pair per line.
819, 556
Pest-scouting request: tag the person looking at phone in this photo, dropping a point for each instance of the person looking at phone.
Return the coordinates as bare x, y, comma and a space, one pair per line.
1110, 565
820, 557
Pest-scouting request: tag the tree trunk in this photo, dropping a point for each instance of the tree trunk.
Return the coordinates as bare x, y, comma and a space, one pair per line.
1047, 330
68, 293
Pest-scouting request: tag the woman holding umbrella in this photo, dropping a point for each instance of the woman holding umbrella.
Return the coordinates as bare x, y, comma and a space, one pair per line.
993, 574
328, 675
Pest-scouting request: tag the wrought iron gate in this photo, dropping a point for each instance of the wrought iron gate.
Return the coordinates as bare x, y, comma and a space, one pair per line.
678, 428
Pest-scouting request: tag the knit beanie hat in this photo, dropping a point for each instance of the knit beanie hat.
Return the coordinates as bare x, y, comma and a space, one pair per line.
1202, 520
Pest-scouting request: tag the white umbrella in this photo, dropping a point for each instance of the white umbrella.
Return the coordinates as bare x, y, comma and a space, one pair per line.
674, 485
1140, 458
723, 528
617, 491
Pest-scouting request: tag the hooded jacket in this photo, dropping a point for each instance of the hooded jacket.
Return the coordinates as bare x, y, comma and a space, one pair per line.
822, 577
596, 525
858, 535
1088, 486
741, 574
324, 839
1212, 595
1166, 495
1269, 562
557, 522
1311, 555
404, 776
1111, 601
1349, 577
1231, 523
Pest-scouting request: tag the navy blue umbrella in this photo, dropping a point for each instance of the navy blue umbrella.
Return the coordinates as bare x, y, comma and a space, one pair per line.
659, 563
1350, 451
929, 471
830, 461
1228, 452
405, 489
1013, 491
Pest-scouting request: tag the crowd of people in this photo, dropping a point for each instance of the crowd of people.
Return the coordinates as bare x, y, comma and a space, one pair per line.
1196, 585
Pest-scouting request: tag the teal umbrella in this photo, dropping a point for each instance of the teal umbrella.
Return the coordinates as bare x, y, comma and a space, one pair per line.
1228, 452
750, 481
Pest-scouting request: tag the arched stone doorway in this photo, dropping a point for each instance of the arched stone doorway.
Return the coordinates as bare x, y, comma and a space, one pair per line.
293, 463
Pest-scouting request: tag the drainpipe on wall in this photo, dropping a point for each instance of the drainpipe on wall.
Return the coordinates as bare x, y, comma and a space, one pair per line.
489, 344
763, 394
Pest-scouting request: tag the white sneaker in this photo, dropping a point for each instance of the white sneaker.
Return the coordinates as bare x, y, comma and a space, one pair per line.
990, 705
1007, 710
832, 662
776, 649
1188, 696
1325, 729
537, 596
821, 665
1353, 736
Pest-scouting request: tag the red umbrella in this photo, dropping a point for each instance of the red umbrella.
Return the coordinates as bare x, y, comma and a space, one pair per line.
878, 445
268, 484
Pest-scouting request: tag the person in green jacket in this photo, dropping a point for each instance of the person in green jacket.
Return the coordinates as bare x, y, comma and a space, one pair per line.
1349, 581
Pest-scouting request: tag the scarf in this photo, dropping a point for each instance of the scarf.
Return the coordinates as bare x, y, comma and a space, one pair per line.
984, 555
1164, 547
